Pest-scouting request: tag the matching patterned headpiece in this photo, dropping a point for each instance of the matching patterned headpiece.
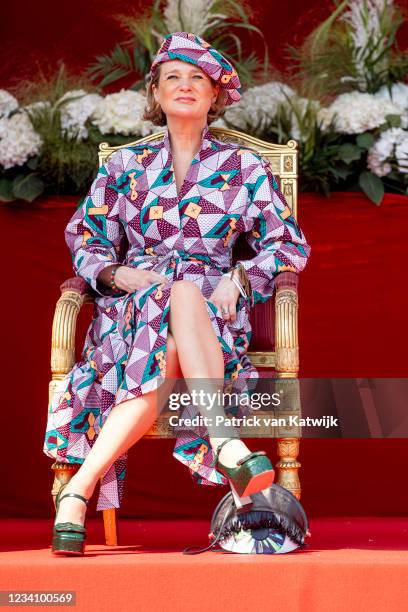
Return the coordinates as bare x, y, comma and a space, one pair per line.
192, 48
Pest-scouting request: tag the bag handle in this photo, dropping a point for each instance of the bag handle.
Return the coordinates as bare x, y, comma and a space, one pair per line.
191, 550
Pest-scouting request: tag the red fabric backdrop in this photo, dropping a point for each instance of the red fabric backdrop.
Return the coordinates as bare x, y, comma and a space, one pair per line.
39, 33
353, 311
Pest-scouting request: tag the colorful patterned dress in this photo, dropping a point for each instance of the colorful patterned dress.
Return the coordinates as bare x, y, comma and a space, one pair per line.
133, 214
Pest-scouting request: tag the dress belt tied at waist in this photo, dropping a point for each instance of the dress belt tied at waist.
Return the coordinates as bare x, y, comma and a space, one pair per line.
172, 259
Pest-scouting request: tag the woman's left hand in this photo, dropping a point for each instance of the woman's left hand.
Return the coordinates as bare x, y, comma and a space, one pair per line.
225, 297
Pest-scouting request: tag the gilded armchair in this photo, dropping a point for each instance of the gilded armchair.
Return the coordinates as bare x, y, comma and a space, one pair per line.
274, 343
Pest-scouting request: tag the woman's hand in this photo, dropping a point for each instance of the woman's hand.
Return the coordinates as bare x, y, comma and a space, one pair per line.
225, 297
131, 279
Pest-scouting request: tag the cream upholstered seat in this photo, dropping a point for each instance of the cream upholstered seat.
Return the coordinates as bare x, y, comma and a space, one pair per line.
274, 342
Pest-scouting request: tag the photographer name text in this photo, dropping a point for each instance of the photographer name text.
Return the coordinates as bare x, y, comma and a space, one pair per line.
292, 420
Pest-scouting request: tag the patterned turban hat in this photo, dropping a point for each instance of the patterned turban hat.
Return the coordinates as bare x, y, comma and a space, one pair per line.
192, 48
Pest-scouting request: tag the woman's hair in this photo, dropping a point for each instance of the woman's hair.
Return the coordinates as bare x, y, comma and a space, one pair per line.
153, 111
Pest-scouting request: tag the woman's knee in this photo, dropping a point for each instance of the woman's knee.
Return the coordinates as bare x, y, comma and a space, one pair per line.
186, 291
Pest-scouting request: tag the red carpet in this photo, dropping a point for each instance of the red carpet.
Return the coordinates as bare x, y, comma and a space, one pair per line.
354, 564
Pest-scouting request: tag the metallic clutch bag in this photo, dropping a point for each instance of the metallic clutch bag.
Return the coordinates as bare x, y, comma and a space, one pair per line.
276, 523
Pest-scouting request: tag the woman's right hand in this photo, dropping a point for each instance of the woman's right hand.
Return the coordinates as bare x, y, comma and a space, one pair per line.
131, 279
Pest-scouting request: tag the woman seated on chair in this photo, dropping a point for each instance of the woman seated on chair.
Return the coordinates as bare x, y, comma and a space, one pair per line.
171, 305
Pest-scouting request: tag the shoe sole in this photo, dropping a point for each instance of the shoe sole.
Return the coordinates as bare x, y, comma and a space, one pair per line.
258, 483
70, 553
70, 546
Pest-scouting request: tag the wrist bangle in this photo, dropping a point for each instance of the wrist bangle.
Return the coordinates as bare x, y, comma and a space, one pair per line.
112, 283
239, 286
236, 282
241, 280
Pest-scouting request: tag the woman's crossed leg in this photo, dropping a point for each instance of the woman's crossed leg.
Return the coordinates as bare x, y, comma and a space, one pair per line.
193, 352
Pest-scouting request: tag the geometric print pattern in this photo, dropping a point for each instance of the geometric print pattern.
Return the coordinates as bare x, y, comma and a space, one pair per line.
133, 214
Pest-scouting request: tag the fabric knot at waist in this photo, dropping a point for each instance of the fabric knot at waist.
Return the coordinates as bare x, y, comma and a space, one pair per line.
175, 257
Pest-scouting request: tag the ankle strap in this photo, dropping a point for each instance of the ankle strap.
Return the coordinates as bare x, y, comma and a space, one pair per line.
250, 456
218, 450
81, 497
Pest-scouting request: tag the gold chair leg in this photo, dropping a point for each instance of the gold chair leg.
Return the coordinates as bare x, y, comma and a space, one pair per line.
63, 473
288, 466
111, 527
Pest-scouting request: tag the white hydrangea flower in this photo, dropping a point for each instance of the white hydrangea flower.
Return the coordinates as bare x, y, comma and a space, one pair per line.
399, 95
76, 107
121, 113
219, 123
357, 112
18, 140
8, 103
401, 151
392, 143
258, 106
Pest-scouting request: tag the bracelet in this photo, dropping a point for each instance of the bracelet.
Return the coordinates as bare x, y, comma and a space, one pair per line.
112, 283
241, 281
240, 287
236, 282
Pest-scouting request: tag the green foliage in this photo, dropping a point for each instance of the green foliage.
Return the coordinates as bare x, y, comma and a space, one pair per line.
327, 160
330, 63
21, 187
49, 85
132, 58
65, 164
372, 186
323, 164
28, 187
349, 152
120, 63
365, 140
327, 64
6, 190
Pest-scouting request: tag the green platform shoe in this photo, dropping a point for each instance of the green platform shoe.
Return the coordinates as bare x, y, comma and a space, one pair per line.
68, 538
253, 474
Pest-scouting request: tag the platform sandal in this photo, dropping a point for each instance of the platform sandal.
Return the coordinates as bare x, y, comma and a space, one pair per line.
68, 538
253, 474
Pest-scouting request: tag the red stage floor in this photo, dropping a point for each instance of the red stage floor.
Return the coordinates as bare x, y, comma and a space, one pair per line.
353, 564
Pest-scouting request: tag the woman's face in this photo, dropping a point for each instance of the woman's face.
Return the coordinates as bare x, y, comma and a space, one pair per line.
184, 90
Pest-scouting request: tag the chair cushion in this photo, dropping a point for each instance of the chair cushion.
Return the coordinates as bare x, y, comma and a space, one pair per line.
78, 284
262, 320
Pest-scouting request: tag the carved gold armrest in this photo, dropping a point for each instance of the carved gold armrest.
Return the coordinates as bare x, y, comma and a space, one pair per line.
286, 322
74, 292
287, 366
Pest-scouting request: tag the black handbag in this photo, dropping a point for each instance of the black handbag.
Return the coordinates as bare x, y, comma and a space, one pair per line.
275, 523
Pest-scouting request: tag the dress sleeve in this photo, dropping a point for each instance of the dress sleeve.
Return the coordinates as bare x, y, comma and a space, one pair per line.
95, 232
272, 231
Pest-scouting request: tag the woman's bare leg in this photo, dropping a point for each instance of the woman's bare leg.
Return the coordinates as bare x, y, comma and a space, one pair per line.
190, 334
200, 356
125, 425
